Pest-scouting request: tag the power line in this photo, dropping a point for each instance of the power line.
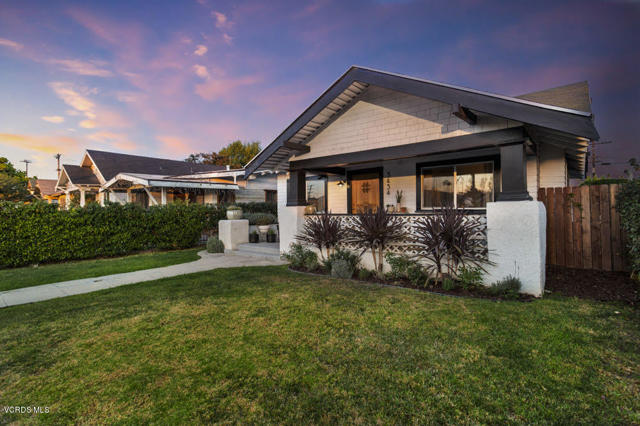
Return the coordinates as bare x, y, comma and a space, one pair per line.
26, 165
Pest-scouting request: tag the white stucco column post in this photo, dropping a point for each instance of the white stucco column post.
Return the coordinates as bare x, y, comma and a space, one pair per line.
516, 237
82, 197
163, 196
67, 200
128, 195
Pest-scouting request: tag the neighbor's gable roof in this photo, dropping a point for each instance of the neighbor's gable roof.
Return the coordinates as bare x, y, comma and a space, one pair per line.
111, 163
343, 93
47, 186
79, 175
573, 96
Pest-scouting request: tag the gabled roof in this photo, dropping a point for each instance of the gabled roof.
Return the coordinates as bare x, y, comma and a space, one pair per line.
111, 163
343, 93
573, 96
80, 175
47, 186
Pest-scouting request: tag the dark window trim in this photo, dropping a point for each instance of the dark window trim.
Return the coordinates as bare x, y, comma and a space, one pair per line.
326, 189
350, 173
495, 159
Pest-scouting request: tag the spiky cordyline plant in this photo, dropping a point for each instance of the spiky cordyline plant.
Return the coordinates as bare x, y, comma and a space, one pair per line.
375, 231
322, 231
451, 238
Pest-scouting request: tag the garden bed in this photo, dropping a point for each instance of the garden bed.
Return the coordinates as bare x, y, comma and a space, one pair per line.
479, 293
604, 286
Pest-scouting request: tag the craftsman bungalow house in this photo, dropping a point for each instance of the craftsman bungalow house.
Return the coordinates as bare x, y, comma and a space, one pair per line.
108, 176
373, 134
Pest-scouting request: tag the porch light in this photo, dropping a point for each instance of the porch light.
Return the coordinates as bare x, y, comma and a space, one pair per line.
341, 183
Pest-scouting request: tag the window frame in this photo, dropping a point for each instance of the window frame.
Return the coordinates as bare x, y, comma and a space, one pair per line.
379, 171
494, 160
326, 189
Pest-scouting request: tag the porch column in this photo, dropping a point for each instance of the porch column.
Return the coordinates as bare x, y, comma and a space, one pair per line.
513, 161
290, 217
82, 198
296, 189
67, 200
128, 195
163, 196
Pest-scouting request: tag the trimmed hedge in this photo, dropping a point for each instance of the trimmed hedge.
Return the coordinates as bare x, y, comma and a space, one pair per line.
259, 207
628, 204
39, 232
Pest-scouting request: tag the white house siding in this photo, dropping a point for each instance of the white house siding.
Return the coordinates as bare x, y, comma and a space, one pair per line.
532, 176
383, 118
553, 167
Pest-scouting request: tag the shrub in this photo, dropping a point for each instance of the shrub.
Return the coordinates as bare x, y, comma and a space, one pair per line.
341, 268
628, 204
214, 245
40, 233
599, 180
507, 287
402, 266
353, 259
301, 257
470, 277
259, 207
450, 238
365, 274
260, 218
374, 231
322, 231
448, 284
234, 207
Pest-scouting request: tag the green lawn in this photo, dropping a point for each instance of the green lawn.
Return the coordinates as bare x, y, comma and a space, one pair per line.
268, 345
44, 274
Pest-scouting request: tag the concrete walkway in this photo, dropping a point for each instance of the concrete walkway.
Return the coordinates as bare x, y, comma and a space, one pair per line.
206, 262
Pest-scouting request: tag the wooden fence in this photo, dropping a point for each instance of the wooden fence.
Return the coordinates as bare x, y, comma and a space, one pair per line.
583, 228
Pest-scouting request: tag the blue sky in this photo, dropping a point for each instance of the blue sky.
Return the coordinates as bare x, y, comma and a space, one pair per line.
169, 78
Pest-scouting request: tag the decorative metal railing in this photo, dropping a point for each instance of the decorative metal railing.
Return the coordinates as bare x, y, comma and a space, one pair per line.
409, 223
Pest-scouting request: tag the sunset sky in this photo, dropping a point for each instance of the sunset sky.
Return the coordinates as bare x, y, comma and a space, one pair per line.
168, 78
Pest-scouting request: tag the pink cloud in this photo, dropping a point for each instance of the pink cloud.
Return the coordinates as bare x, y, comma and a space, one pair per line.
91, 68
46, 144
11, 44
222, 88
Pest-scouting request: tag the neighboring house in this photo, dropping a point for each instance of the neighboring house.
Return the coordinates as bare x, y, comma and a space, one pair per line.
45, 189
373, 133
108, 176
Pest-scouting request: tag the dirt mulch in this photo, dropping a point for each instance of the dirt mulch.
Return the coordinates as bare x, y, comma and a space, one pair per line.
591, 284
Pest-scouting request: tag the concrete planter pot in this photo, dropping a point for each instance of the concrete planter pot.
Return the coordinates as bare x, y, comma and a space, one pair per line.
263, 229
234, 214
254, 238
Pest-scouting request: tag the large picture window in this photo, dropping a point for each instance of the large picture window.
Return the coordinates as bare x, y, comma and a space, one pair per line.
461, 185
317, 192
365, 190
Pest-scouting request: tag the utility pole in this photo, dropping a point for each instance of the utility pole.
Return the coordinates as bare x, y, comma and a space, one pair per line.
57, 157
593, 155
26, 166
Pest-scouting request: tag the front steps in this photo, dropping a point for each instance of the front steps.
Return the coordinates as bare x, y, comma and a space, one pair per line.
269, 251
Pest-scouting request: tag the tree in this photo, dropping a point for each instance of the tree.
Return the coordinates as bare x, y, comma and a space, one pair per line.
13, 183
237, 154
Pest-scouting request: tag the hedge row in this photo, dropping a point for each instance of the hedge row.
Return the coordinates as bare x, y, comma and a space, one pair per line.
628, 204
259, 207
39, 232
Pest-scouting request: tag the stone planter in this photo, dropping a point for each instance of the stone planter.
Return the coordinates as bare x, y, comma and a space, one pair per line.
234, 214
263, 229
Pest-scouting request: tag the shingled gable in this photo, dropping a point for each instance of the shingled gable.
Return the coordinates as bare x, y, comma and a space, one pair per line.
109, 164
342, 94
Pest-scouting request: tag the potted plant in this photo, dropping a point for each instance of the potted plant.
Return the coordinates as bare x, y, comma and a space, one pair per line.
264, 222
254, 237
234, 212
399, 195
310, 209
271, 235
